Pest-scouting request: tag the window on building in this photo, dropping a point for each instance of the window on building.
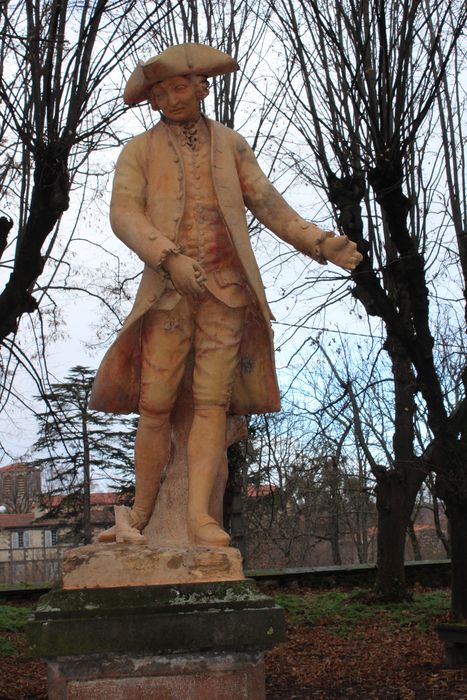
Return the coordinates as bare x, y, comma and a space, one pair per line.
20, 539
50, 538
7, 487
21, 485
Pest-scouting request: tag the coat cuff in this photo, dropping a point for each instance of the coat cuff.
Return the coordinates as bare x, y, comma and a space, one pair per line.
172, 250
308, 238
160, 247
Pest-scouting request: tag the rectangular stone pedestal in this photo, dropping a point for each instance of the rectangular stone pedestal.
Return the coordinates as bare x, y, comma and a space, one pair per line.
191, 676
192, 641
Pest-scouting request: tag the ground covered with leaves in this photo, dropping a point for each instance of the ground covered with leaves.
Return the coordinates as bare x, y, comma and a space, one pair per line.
344, 644
340, 644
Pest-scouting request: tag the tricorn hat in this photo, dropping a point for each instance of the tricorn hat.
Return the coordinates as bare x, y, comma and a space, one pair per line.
183, 59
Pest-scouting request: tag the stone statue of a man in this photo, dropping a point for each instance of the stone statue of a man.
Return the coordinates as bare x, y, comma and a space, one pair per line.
179, 199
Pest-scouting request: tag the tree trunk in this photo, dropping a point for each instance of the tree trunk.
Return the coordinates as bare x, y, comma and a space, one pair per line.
49, 200
457, 515
417, 554
233, 498
451, 486
335, 512
87, 529
396, 494
439, 530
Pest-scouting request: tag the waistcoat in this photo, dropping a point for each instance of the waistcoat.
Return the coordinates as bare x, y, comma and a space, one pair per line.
203, 234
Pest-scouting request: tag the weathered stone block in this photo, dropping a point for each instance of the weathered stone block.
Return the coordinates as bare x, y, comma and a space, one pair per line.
195, 677
116, 565
222, 616
195, 641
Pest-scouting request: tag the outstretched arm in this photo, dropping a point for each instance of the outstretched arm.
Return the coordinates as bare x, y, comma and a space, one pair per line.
269, 207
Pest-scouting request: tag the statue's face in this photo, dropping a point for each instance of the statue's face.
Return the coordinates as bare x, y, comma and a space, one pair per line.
177, 98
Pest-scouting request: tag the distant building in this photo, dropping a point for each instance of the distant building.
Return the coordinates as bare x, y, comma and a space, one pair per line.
35, 530
20, 487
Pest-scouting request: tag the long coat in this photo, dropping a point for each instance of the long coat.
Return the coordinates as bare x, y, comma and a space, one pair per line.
148, 201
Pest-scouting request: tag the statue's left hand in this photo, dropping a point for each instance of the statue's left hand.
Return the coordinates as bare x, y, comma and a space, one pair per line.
187, 275
341, 251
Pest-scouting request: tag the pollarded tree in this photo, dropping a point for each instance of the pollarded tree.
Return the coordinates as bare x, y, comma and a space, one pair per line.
366, 78
77, 447
60, 96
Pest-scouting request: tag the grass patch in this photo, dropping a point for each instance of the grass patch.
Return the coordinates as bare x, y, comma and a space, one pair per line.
422, 611
335, 609
342, 611
13, 619
7, 648
12, 622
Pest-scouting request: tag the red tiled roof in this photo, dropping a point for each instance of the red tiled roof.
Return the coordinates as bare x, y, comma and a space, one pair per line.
16, 519
14, 467
19, 520
97, 499
253, 491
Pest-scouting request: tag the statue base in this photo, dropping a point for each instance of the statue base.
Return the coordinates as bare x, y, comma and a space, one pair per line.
197, 641
116, 565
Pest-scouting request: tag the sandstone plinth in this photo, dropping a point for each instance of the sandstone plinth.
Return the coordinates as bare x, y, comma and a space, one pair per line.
116, 565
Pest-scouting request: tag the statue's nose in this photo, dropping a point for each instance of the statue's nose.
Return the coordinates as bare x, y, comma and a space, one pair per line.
173, 99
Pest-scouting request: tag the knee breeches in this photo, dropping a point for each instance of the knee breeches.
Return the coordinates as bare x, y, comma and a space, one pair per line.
209, 328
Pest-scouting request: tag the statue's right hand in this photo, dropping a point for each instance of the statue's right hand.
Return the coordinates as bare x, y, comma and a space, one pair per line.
187, 275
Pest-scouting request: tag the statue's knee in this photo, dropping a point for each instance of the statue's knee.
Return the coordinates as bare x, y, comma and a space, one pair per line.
153, 420
209, 411
157, 398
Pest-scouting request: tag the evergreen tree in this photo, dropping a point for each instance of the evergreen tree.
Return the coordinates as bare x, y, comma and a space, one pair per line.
76, 446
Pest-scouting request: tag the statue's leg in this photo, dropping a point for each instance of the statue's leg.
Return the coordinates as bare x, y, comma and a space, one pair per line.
206, 452
165, 344
218, 331
152, 451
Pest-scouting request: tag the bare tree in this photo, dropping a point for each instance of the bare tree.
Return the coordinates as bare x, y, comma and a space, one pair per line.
302, 495
60, 100
366, 78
